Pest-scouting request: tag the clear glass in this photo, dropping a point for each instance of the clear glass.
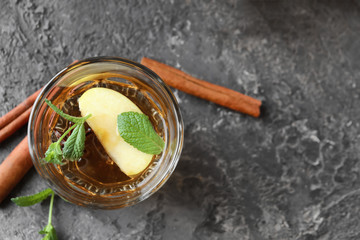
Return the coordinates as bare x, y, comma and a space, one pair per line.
139, 83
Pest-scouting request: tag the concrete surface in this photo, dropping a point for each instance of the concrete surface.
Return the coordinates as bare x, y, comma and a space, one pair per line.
291, 174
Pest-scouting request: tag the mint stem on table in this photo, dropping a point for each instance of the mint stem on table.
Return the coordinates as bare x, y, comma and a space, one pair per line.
137, 130
49, 230
74, 145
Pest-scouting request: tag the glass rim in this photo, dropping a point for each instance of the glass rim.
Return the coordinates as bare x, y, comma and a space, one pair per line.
179, 127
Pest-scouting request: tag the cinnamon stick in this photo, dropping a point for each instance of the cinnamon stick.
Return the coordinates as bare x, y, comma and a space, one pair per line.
205, 90
18, 110
12, 127
14, 167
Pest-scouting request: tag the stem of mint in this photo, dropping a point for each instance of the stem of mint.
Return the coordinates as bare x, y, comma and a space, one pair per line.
64, 115
51, 208
49, 230
66, 133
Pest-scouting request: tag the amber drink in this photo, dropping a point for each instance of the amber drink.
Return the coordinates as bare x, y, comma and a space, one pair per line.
95, 180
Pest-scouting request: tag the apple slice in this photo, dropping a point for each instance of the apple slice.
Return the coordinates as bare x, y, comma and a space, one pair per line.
105, 105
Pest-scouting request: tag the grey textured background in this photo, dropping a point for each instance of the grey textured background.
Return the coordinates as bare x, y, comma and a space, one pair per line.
291, 174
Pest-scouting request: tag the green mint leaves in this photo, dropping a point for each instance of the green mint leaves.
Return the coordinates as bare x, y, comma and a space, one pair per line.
49, 230
54, 153
74, 145
50, 233
137, 130
26, 201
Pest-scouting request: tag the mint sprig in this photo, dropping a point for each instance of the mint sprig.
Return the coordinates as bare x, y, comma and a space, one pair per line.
49, 230
137, 130
74, 145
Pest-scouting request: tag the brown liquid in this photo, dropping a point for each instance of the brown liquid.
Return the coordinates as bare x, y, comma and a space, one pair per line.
96, 172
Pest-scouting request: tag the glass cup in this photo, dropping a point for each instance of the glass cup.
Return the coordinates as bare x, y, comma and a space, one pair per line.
141, 85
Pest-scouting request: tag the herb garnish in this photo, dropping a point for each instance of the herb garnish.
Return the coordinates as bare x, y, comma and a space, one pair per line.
137, 130
49, 230
74, 145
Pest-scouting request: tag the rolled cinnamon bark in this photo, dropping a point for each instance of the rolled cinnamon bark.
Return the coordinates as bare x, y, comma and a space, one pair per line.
205, 90
14, 167
12, 127
18, 110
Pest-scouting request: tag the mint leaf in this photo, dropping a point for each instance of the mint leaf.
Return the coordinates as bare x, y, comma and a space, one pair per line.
32, 199
54, 153
137, 130
64, 115
75, 144
50, 233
